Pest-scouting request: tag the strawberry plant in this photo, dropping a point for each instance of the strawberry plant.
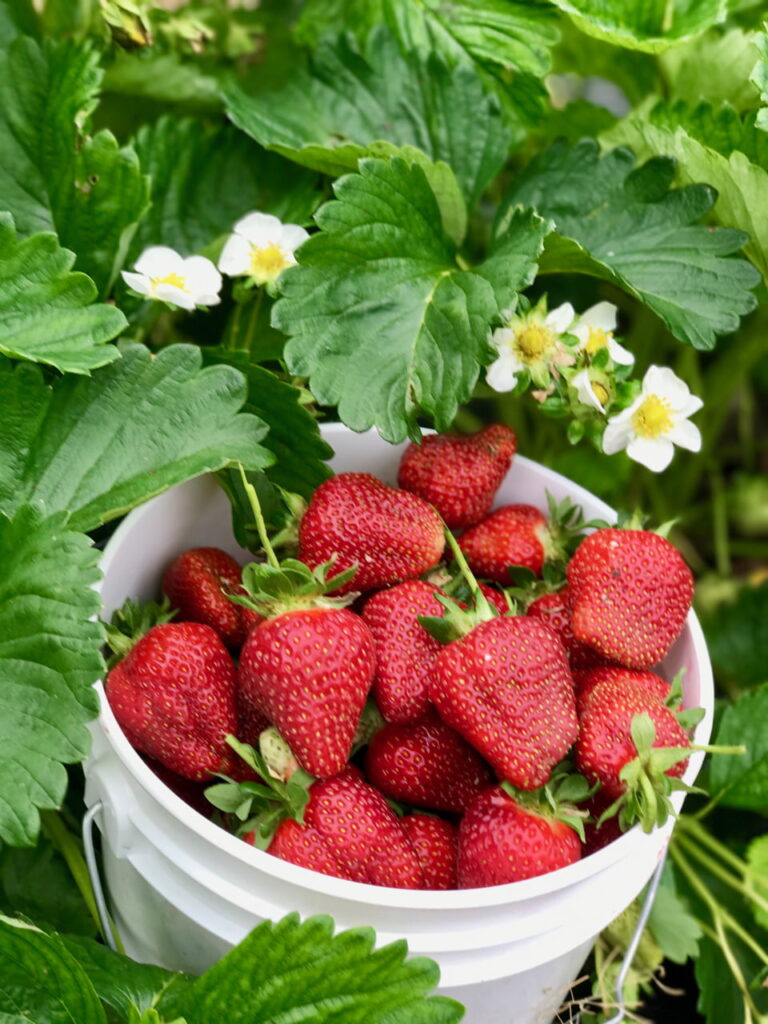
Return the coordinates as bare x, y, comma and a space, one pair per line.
528, 224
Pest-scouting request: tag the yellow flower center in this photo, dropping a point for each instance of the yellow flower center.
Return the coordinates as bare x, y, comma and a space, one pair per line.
267, 263
533, 342
175, 280
597, 339
653, 417
601, 392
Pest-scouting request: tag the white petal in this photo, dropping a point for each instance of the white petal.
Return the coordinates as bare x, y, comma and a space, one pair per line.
235, 257
653, 453
170, 293
602, 315
201, 275
259, 228
292, 236
560, 319
581, 331
618, 433
661, 381
502, 338
692, 404
585, 391
501, 375
619, 354
686, 434
139, 282
159, 261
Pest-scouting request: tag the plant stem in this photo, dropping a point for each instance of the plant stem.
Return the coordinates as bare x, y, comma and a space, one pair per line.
700, 836
69, 847
258, 515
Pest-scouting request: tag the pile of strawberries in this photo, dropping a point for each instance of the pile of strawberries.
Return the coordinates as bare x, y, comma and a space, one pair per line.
379, 715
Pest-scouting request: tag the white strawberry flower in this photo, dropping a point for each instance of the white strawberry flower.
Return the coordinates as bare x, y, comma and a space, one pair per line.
530, 342
161, 273
656, 421
261, 247
594, 328
589, 392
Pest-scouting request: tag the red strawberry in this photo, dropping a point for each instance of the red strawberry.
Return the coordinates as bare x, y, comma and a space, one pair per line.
511, 535
309, 672
427, 764
390, 534
436, 844
358, 829
197, 582
587, 682
502, 841
405, 651
554, 608
630, 594
633, 745
306, 847
507, 688
174, 697
459, 475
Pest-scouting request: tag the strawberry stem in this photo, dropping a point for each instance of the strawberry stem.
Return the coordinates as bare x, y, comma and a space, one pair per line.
261, 526
478, 597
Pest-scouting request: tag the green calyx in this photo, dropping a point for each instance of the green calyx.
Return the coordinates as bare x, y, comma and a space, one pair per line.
458, 621
558, 798
259, 806
131, 622
563, 532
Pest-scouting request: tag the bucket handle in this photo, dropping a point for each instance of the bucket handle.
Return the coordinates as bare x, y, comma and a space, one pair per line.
629, 956
107, 927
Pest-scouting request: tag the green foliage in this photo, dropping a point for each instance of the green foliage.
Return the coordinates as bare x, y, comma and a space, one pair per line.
49, 659
759, 76
381, 318
742, 780
66, 444
713, 67
330, 116
649, 25
627, 226
736, 637
35, 882
671, 923
204, 179
47, 313
53, 175
757, 858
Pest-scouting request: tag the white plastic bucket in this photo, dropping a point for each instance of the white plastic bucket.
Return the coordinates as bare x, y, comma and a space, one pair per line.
183, 891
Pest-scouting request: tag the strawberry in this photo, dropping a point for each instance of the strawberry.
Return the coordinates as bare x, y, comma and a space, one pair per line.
309, 672
459, 475
630, 594
632, 744
306, 847
426, 763
355, 519
357, 828
436, 844
174, 697
554, 608
501, 840
405, 651
507, 689
588, 681
197, 582
511, 535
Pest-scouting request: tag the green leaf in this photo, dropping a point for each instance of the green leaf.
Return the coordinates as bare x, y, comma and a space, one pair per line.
625, 225
741, 780
162, 77
49, 659
37, 883
300, 453
648, 25
122, 983
742, 186
54, 177
204, 179
757, 858
736, 636
328, 117
759, 76
17, 17
39, 978
673, 925
47, 313
292, 971
98, 446
381, 318
713, 67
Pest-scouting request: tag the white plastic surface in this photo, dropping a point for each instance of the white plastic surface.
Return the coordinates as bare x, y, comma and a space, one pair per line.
184, 891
